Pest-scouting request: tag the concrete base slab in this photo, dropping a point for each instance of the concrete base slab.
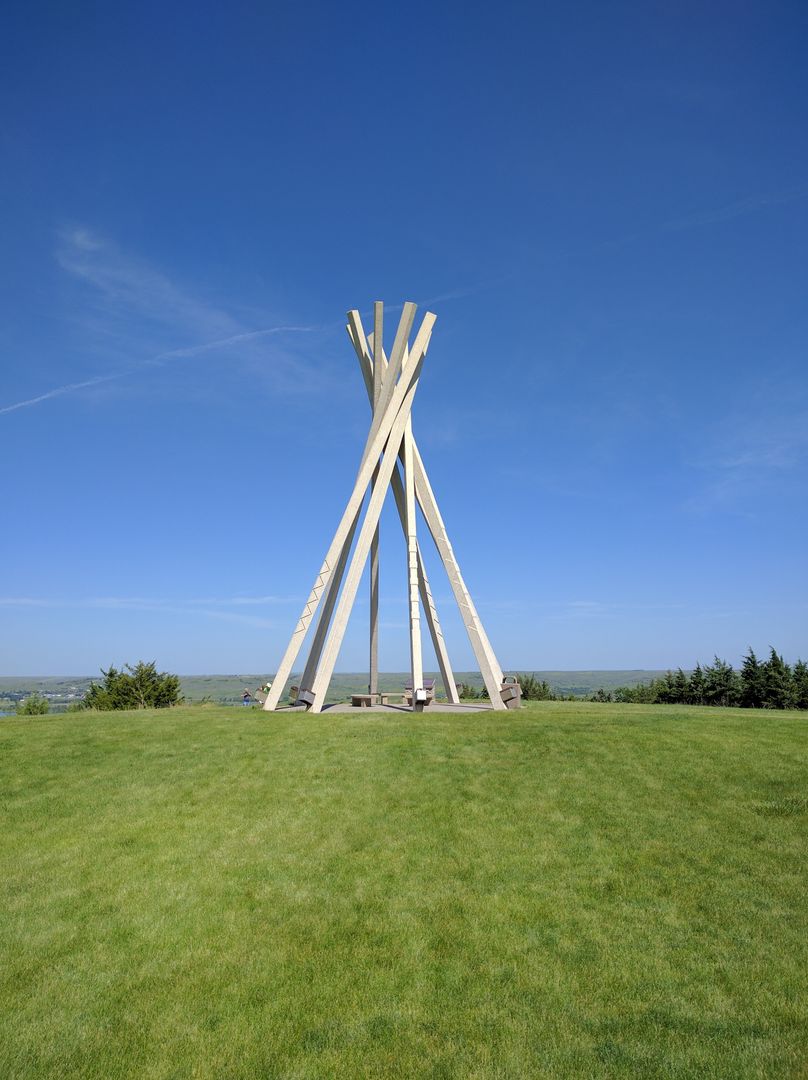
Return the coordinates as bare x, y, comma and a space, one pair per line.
346, 707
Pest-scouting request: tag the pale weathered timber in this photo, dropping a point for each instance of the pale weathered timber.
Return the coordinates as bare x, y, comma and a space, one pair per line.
484, 654
390, 377
410, 528
324, 617
379, 433
390, 445
373, 664
429, 607
373, 679
435, 632
416, 658
430, 610
489, 667
357, 564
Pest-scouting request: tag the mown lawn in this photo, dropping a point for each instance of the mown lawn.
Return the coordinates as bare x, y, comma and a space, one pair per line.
570, 891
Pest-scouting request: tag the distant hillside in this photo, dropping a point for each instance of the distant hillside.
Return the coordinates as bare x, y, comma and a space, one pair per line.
227, 689
343, 684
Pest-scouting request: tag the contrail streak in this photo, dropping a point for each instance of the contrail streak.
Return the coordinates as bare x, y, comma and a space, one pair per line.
66, 389
192, 350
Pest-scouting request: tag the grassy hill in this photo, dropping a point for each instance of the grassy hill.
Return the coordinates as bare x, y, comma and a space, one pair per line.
571, 890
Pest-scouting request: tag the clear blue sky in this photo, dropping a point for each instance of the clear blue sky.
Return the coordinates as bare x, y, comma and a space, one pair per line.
605, 204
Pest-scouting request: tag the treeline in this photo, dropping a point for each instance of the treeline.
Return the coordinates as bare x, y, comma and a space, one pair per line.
760, 684
532, 688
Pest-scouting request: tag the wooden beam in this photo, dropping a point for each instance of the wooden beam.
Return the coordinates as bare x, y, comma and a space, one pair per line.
327, 609
429, 608
357, 335
373, 680
489, 666
381, 428
416, 658
481, 646
357, 564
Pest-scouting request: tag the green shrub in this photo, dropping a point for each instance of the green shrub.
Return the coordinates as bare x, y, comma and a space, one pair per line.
468, 693
138, 687
534, 689
640, 694
33, 705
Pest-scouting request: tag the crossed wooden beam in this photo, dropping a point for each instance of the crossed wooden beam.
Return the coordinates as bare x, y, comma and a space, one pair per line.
390, 450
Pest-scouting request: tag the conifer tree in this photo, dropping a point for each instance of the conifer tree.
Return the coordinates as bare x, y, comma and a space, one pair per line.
777, 682
681, 687
720, 683
799, 683
752, 681
665, 689
696, 689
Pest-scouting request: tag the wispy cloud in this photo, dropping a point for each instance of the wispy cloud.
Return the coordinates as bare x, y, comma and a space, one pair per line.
246, 601
126, 603
24, 601
588, 607
761, 446
470, 290
442, 298
601, 609
132, 306
739, 208
68, 388
751, 204
129, 286
235, 339
208, 607
237, 601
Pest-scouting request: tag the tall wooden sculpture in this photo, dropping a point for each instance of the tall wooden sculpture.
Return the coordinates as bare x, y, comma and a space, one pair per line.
390, 459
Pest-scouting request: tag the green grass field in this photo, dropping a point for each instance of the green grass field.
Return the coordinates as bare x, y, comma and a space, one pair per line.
573, 890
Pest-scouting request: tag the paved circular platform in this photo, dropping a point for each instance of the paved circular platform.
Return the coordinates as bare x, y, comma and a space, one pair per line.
346, 707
